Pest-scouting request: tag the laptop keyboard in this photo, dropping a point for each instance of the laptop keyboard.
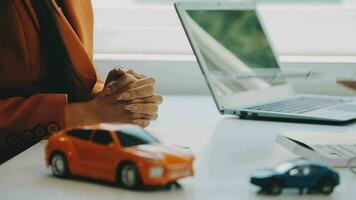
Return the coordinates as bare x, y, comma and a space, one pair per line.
336, 151
300, 105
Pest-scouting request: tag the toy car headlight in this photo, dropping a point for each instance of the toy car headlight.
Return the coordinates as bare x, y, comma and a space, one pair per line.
150, 156
156, 172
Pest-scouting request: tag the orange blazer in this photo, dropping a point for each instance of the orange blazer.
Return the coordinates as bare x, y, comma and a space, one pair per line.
27, 116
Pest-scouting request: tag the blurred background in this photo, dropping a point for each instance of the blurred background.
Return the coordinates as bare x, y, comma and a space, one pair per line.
146, 35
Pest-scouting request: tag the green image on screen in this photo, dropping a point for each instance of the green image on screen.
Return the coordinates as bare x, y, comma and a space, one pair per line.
240, 32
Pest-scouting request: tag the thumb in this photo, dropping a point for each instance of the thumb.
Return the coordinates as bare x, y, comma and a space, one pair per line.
114, 75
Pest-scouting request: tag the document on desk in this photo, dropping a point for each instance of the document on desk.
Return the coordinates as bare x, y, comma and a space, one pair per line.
336, 149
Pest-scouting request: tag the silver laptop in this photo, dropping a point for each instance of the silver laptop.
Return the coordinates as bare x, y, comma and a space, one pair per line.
242, 72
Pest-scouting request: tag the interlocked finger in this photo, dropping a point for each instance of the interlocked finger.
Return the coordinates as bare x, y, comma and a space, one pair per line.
147, 108
142, 122
144, 116
137, 93
141, 82
135, 74
117, 85
157, 99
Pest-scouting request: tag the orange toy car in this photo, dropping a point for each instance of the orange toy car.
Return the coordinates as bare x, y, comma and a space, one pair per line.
125, 153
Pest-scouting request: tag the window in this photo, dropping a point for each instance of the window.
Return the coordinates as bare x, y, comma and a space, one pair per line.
80, 134
314, 170
306, 171
102, 137
135, 136
152, 27
296, 172
139, 27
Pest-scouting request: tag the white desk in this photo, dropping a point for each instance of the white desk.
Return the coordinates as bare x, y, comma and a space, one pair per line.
228, 150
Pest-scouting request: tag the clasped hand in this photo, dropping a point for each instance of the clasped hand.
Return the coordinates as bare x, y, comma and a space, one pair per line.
128, 97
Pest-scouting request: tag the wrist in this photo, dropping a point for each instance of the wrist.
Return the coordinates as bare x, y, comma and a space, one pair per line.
81, 114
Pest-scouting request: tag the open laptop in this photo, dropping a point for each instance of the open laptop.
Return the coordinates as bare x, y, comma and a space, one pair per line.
240, 67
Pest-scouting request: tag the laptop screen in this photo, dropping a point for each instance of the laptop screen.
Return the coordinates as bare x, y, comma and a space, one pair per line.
233, 50
240, 32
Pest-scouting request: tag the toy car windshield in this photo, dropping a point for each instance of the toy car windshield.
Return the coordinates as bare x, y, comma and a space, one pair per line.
134, 136
283, 167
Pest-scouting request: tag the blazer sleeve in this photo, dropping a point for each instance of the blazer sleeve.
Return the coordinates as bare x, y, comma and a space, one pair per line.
79, 15
25, 121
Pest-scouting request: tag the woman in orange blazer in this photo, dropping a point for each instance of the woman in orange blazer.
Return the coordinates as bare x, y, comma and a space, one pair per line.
47, 78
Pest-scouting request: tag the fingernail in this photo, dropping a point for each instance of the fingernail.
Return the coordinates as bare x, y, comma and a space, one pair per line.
120, 68
131, 107
123, 96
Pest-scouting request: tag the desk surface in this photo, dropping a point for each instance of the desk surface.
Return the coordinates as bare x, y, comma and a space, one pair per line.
228, 150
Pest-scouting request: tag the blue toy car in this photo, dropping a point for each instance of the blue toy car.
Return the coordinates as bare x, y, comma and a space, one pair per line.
314, 176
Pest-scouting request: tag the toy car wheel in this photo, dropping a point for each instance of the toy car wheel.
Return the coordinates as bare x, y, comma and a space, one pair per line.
326, 186
275, 188
172, 185
59, 165
312, 190
129, 176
